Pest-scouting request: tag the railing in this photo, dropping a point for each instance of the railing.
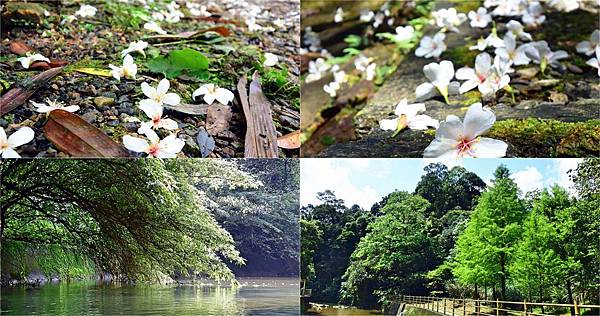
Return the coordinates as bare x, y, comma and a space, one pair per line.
464, 307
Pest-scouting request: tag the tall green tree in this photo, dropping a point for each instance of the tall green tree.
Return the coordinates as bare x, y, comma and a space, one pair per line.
393, 257
484, 250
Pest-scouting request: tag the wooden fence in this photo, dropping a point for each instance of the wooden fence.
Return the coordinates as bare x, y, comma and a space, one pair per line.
464, 307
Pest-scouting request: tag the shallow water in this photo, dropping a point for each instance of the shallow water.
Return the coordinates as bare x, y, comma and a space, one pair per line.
256, 296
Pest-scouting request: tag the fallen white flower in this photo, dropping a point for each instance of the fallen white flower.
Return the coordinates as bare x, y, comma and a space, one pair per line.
481, 18
540, 53
404, 33
7, 145
154, 27
316, 69
510, 51
128, 70
455, 139
408, 116
534, 15
53, 105
440, 76
589, 47
211, 93
331, 88
475, 78
370, 72
431, 47
595, 62
517, 29
86, 10
159, 94
564, 5
339, 15
138, 46
270, 60
155, 112
29, 59
449, 19
156, 148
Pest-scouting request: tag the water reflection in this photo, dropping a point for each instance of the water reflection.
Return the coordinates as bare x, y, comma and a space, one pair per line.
255, 296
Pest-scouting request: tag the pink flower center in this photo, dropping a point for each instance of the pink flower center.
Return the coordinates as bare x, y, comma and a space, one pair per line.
481, 78
465, 146
155, 120
153, 150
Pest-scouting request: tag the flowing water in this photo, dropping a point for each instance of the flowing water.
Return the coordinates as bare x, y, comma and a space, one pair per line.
255, 296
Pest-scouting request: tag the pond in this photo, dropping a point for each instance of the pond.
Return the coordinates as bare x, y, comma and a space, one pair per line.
255, 296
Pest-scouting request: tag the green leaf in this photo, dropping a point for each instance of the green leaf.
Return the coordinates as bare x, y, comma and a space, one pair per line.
176, 63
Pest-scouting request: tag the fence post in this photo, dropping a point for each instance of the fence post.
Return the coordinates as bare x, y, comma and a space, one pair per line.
444, 302
576, 307
497, 307
525, 307
452, 302
464, 307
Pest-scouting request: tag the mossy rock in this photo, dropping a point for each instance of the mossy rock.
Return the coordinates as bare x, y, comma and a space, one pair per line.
17, 13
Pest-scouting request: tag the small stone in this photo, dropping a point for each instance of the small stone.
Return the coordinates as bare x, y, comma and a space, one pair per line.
131, 127
54, 86
3, 123
113, 123
103, 102
574, 69
545, 83
91, 116
558, 97
528, 73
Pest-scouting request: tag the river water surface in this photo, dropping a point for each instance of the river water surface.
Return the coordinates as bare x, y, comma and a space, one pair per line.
255, 296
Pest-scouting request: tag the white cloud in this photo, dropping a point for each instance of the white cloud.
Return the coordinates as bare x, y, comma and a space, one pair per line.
318, 175
562, 167
529, 179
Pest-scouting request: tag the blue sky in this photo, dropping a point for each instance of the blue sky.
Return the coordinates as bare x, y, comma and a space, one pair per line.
365, 181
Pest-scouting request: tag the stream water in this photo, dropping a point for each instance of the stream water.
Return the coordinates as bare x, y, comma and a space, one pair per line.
255, 296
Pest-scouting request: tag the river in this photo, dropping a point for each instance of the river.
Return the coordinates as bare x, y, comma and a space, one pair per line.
255, 296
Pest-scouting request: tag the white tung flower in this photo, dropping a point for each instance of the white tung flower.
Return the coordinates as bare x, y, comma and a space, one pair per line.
449, 19
128, 70
408, 116
431, 47
211, 93
270, 60
517, 29
53, 105
456, 139
332, 88
595, 62
26, 61
475, 77
481, 18
316, 69
159, 94
366, 15
404, 33
589, 47
156, 148
498, 78
370, 72
138, 46
154, 27
86, 10
339, 15
564, 5
440, 76
155, 112
7, 145
510, 51
540, 53
534, 15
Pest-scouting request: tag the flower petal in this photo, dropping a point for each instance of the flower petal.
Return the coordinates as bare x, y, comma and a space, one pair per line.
440, 147
148, 90
2, 135
22, 136
432, 71
209, 98
71, 108
171, 145
468, 86
451, 128
423, 122
163, 86
489, 148
10, 153
224, 96
425, 91
389, 125
168, 124
478, 120
465, 73
151, 108
135, 144
172, 99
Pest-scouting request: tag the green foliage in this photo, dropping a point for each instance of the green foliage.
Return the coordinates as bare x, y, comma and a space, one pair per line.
124, 15
353, 40
156, 221
311, 237
180, 62
393, 257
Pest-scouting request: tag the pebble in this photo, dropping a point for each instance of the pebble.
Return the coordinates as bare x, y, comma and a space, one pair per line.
103, 102
131, 127
3, 123
113, 123
91, 116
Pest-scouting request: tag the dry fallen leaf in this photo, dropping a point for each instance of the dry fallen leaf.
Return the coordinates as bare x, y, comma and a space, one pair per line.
18, 95
289, 141
94, 71
19, 47
74, 136
217, 118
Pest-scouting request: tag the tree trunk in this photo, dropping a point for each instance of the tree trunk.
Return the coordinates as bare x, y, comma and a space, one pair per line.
502, 277
570, 293
476, 298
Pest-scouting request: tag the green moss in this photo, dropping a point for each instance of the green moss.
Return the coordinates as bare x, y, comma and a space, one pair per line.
84, 63
549, 138
466, 6
461, 55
